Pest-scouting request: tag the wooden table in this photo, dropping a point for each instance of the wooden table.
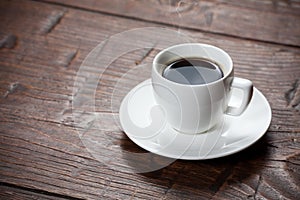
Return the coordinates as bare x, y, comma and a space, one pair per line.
42, 47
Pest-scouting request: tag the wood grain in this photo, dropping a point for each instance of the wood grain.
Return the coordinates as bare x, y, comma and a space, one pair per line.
8, 192
42, 156
268, 20
286, 7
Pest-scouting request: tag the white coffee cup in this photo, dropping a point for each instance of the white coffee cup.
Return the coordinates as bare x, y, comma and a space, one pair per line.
197, 108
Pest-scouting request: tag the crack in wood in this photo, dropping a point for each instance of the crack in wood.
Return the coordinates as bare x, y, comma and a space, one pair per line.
284, 161
70, 57
221, 179
19, 118
52, 21
39, 191
289, 95
145, 55
9, 41
13, 87
293, 96
272, 145
172, 183
257, 186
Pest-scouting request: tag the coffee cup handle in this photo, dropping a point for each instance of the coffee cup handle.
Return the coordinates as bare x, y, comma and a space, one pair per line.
247, 87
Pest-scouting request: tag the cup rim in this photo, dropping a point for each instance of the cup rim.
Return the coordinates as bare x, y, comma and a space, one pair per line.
155, 70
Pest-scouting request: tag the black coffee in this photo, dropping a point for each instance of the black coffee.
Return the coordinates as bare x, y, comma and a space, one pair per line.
192, 71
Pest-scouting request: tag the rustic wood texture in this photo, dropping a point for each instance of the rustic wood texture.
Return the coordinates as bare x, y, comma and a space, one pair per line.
42, 45
276, 21
11, 192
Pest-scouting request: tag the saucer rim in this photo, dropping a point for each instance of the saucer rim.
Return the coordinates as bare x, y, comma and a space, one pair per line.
190, 157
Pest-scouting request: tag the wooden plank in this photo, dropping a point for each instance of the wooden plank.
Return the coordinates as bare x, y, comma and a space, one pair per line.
40, 146
259, 20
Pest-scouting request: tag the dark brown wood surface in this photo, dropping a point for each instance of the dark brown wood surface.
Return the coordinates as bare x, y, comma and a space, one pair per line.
43, 44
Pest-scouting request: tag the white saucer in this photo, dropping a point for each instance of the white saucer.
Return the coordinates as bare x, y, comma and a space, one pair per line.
144, 123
